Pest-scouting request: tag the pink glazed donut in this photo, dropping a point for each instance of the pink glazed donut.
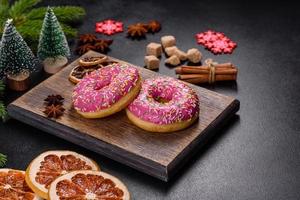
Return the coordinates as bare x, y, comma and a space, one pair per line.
106, 90
164, 104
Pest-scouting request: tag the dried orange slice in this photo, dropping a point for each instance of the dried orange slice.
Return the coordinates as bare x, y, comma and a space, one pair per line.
92, 60
51, 164
13, 186
88, 185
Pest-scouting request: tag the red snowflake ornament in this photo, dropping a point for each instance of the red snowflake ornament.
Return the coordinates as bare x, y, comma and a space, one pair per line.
216, 42
109, 27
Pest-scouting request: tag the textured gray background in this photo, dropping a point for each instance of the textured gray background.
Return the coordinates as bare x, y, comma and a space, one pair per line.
257, 155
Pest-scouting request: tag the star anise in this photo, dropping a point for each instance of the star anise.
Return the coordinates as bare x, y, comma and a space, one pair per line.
153, 26
54, 100
85, 48
87, 38
54, 111
138, 30
102, 45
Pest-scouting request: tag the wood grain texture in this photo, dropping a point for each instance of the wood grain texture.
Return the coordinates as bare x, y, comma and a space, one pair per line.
159, 155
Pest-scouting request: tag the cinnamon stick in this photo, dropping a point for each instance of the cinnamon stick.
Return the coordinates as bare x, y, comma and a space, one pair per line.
224, 65
189, 76
190, 70
201, 78
207, 74
206, 70
219, 65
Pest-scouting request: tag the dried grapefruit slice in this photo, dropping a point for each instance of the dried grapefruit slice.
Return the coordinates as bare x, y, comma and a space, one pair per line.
51, 164
13, 186
88, 185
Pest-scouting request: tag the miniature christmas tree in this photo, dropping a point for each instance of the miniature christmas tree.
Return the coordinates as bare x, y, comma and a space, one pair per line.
15, 55
53, 47
16, 59
28, 16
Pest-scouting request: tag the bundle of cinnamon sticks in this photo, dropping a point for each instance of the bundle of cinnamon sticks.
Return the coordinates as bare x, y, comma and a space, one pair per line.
207, 74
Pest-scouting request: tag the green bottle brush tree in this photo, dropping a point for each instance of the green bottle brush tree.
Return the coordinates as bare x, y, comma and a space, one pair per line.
17, 61
53, 47
28, 18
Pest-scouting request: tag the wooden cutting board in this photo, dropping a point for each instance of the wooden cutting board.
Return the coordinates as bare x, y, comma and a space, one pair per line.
159, 155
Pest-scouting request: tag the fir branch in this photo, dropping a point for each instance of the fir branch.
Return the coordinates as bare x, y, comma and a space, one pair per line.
2, 22
4, 2
69, 31
2, 88
21, 6
23, 12
64, 14
3, 112
30, 30
4, 5
3, 160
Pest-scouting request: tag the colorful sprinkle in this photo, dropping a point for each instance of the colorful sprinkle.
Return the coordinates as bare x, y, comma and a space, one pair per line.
165, 100
104, 87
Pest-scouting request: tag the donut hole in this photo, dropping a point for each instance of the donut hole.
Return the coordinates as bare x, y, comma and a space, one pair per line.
161, 95
101, 84
161, 100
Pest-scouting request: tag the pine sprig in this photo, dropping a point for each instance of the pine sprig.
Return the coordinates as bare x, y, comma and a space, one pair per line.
69, 31
25, 14
3, 112
64, 14
4, 5
3, 160
22, 6
31, 29
2, 88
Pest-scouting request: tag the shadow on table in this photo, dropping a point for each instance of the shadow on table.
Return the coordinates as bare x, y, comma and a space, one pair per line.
39, 141
231, 86
210, 142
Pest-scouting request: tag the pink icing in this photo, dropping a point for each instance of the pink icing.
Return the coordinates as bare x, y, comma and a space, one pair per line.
165, 100
104, 87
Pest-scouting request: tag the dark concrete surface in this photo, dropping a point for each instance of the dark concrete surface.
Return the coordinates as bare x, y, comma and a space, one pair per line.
257, 155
